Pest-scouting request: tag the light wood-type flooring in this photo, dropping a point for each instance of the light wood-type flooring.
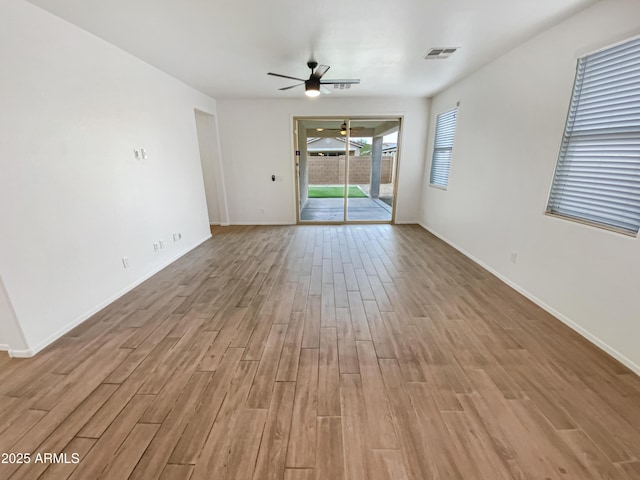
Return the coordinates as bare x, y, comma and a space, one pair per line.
322, 352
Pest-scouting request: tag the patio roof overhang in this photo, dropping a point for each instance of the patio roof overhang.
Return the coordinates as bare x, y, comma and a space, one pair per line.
366, 128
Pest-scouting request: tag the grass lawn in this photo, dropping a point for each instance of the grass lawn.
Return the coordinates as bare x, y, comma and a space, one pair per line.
325, 191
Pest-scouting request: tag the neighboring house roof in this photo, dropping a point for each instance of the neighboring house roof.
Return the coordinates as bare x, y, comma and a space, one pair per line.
389, 147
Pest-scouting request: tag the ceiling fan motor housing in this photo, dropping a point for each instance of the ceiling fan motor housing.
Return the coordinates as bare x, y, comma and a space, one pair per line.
312, 84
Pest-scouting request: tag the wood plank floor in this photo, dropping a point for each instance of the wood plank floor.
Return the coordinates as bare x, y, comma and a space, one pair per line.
322, 352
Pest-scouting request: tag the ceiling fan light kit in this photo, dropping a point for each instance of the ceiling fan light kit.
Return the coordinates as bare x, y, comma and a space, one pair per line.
314, 85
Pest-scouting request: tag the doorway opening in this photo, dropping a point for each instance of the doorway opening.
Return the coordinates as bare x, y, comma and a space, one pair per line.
212, 173
346, 169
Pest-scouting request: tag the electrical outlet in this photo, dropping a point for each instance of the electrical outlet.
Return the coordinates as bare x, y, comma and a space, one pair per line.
143, 154
125, 262
179, 236
514, 257
156, 247
175, 237
161, 243
136, 154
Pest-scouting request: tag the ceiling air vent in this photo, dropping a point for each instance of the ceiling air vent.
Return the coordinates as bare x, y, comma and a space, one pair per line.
440, 53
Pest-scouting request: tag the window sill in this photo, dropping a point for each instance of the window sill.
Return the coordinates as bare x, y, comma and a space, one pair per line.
592, 224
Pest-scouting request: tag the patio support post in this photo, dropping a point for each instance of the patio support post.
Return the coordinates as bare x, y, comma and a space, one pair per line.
376, 167
303, 169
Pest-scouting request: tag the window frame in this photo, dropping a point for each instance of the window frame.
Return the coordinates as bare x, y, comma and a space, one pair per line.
569, 134
437, 149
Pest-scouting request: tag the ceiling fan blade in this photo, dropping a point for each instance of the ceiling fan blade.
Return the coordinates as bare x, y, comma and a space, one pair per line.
320, 71
286, 76
292, 86
350, 81
325, 90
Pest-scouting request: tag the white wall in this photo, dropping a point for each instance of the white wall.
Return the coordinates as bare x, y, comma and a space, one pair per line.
510, 125
257, 141
73, 200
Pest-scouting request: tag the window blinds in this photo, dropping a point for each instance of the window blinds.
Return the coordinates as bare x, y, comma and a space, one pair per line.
443, 146
597, 177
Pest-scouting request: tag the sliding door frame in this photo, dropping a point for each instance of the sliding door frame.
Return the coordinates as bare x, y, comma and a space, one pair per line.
347, 119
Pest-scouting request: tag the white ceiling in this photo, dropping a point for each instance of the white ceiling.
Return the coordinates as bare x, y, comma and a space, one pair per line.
225, 47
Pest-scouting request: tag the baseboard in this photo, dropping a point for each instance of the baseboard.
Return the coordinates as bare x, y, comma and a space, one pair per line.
560, 316
403, 222
4, 347
30, 352
257, 224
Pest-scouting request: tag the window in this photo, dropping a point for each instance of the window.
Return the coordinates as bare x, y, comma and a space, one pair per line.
441, 162
597, 178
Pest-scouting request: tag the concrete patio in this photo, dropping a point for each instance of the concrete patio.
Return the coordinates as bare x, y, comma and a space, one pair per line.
332, 210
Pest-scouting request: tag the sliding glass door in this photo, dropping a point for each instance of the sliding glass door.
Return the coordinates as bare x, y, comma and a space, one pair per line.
346, 169
371, 173
321, 156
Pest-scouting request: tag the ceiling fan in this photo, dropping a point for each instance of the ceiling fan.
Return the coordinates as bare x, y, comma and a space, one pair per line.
342, 130
314, 85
